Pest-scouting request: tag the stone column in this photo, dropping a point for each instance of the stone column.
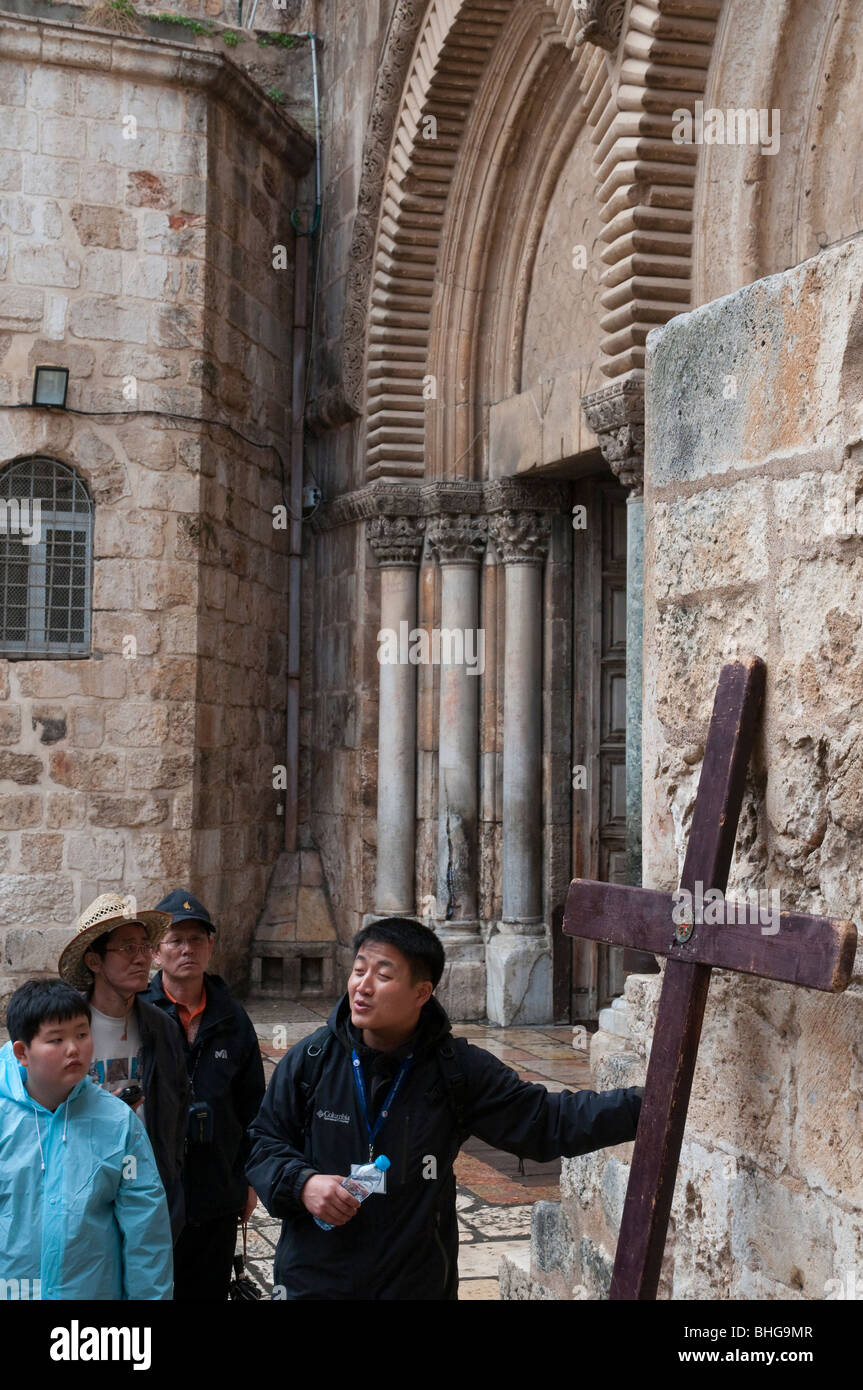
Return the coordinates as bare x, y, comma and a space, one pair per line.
458, 543
397, 543
519, 956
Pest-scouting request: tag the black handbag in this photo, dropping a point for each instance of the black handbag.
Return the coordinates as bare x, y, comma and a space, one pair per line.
243, 1288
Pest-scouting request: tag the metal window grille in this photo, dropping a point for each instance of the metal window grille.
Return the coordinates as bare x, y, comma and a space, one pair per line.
46, 559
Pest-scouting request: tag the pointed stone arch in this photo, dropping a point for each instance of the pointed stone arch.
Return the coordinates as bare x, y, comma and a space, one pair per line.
440, 52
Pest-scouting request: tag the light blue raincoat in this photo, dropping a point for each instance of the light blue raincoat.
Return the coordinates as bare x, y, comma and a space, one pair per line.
93, 1222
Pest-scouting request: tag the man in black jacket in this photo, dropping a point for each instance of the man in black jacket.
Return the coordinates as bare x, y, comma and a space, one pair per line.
137, 1053
226, 1076
388, 1078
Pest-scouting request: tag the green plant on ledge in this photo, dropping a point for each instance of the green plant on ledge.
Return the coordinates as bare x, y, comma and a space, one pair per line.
278, 40
195, 26
276, 94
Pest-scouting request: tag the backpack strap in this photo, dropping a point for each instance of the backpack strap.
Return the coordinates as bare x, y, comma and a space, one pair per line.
455, 1082
311, 1068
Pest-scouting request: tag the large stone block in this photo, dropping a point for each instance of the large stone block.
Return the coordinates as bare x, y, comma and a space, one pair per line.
20, 309
716, 538
97, 855
41, 853
36, 898
105, 320
118, 811
10, 724
35, 949
23, 768
519, 979
19, 811
105, 227
19, 130
45, 176
46, 265
752, 375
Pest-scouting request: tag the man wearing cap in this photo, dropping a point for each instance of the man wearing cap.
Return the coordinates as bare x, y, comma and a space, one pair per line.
136, 1053
227, 1082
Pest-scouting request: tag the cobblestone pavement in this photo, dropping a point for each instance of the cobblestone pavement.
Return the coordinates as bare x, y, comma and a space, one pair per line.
494, 1197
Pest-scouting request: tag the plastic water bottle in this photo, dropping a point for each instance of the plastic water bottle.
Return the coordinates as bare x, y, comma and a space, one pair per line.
362, 1183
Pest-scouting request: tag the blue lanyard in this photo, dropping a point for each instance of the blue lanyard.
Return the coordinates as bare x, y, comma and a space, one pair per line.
374, 1130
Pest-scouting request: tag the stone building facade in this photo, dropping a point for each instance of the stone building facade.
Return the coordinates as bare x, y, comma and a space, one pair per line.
145, 185
510, 206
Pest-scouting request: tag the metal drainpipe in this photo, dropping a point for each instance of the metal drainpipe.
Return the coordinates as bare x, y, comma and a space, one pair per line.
295, 553
298, 404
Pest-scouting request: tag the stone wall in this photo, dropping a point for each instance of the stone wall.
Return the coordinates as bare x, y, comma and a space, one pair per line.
340, 670
754, 470
145, 265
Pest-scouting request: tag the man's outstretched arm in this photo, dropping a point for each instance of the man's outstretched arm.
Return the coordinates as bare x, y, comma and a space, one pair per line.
524, 1118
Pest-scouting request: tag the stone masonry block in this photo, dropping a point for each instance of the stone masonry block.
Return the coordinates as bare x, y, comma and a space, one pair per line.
46, 265
751, 375
107, 321
35, 898
41, 853
19, 811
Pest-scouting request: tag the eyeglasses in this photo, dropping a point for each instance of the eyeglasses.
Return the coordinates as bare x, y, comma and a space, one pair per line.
131, 950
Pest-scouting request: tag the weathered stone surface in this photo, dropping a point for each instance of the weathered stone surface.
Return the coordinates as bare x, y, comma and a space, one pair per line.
10, 724
97, 855
41, 853
85, 770
18, 811
314, 918
519, 979
117, 811
35, 898
36, 949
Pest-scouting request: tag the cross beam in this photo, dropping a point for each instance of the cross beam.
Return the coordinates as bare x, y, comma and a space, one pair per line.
814, 951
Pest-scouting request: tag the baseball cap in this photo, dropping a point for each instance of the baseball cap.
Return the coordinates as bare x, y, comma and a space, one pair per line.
183, 907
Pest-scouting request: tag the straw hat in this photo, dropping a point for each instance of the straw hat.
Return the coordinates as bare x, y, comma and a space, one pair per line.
110, 910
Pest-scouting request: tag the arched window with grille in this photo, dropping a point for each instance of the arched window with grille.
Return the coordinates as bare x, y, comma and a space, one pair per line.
46, 560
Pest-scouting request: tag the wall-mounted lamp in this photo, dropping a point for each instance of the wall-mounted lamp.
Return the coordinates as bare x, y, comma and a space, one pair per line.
49, 386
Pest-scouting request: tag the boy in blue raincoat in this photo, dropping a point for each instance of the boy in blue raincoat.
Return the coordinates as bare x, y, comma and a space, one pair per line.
82, 1208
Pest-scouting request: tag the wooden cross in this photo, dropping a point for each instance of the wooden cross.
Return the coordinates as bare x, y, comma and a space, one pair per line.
814, 951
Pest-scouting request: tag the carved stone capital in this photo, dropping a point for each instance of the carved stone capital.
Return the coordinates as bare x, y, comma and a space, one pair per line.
600, 22
520, 538
457, 540
396, 540
450, 496
616, 416
519, 495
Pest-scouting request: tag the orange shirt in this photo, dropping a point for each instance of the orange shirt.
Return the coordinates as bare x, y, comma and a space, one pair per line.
190, 1018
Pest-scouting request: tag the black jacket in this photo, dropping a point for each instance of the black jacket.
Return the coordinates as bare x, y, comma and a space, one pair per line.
404, 1245
225, 1070
165, 1084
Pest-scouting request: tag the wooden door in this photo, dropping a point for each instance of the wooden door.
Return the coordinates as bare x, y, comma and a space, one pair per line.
599, 726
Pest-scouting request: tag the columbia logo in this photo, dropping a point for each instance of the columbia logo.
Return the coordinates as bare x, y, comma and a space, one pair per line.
331, 1115
222, 1054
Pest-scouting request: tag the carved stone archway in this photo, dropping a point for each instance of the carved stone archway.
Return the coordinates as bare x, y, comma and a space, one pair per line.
434, 60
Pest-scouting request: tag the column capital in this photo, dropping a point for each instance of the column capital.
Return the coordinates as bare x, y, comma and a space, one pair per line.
457, 540
520, 538
616, 416
396, 540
